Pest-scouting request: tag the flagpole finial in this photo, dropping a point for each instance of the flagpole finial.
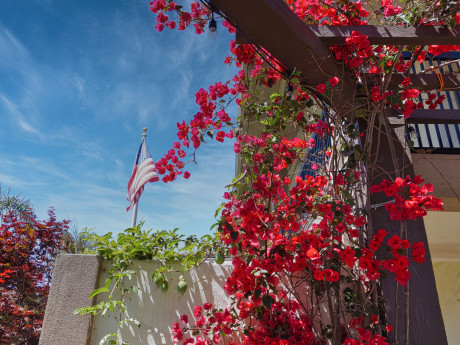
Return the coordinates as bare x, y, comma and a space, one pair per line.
145, 133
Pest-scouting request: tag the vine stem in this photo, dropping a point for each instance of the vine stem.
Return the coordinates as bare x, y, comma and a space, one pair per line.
396, 314
414, 58
338, 310
238, 180
390, 143
376, 302
332, 313
407, 291
388, 79
406, 314
432, 68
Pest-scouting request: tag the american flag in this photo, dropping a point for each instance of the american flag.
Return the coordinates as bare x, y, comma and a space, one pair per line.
144, 171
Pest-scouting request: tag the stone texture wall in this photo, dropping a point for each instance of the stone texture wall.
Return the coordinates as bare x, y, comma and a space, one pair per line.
74, 278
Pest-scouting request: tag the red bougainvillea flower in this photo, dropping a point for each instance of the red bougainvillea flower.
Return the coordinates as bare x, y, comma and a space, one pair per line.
334, 81
418, 252
321, 88
197, 311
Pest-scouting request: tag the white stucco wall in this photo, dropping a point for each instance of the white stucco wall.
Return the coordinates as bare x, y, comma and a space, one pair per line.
447, 275
157, 311
443, 229
75, 276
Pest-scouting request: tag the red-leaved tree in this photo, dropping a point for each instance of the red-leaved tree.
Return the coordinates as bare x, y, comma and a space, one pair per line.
28, 248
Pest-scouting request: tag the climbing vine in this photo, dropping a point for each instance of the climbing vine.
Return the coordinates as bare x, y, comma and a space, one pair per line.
308, 262
170, 250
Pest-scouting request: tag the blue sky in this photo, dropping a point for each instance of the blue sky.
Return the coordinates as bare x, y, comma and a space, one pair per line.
78, 82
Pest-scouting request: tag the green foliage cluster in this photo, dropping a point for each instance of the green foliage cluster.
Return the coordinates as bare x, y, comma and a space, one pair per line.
169, 249
16, 204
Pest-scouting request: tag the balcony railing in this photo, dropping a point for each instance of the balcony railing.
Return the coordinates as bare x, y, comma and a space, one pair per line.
438, 138
431, 138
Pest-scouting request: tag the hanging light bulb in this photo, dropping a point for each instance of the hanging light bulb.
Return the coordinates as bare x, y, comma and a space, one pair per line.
212, 28
412, 133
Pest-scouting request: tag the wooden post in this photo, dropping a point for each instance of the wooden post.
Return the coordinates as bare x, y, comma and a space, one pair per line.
426, 323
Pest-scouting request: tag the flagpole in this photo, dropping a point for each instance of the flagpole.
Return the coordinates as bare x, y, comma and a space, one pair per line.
134, 219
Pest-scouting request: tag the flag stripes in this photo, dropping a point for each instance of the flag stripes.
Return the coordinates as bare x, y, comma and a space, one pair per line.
144, 171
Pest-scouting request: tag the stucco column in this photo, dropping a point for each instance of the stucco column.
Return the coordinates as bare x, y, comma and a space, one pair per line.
74, 277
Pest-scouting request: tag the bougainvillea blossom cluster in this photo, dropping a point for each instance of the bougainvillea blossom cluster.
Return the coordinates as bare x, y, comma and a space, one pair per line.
357, 54
300, 242
410, 200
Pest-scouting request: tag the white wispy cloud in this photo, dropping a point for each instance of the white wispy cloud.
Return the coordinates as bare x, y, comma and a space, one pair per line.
18, 183
78, 101
14, 54
17, 116
79, 84
26, 87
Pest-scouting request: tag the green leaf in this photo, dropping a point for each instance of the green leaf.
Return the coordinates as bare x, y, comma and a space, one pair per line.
234, 235
267, 300
259, 273
129, 273
218, 210
410, 143
361, 113
98, 291
134, 289
110, 306
108, 281
104, 340
269, 121
87, 310
274, 95
347, 291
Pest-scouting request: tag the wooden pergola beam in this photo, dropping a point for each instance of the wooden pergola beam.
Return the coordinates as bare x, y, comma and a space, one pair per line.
272, 25
439, 116
390, 35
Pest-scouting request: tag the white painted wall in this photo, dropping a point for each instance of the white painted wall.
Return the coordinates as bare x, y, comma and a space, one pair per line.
443, 231
447, 275
157, 311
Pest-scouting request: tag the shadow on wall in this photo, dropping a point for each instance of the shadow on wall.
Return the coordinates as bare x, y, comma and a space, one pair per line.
156, 310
